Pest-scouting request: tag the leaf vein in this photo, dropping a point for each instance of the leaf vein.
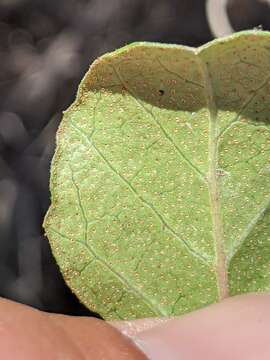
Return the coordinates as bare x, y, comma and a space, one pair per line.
248, 229
179, 76
244, 107
155, 308
204, 259
165, 133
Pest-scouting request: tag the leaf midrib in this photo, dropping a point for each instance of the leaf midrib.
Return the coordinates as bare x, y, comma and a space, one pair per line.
213, 184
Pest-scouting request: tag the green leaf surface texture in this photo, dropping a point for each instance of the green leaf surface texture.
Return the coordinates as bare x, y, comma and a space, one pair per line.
161, 176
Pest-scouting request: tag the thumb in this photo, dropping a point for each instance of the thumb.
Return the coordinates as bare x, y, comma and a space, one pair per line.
237, 328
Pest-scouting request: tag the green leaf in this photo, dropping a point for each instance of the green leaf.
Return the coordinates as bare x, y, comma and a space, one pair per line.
160, 181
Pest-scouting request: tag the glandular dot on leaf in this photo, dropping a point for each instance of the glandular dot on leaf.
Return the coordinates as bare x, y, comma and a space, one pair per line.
160, 183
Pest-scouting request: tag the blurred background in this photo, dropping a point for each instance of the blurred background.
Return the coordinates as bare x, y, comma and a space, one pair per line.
45, 48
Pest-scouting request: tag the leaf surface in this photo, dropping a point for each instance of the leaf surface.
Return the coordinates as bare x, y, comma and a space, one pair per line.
160, 180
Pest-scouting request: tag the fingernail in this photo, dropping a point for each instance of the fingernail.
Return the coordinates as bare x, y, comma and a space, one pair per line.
156, 349
219, 331
164, 342
172, 340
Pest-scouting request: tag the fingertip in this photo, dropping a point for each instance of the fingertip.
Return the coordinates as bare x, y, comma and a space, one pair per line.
237, 328
97, 339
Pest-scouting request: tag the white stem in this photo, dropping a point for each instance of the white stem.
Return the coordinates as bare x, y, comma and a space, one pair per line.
218, 17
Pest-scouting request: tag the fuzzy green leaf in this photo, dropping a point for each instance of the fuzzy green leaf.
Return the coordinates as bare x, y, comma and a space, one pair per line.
160, 181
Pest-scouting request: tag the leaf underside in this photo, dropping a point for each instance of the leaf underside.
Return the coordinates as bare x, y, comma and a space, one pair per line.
160, 180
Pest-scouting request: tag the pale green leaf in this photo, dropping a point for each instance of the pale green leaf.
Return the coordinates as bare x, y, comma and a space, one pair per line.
160, 181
